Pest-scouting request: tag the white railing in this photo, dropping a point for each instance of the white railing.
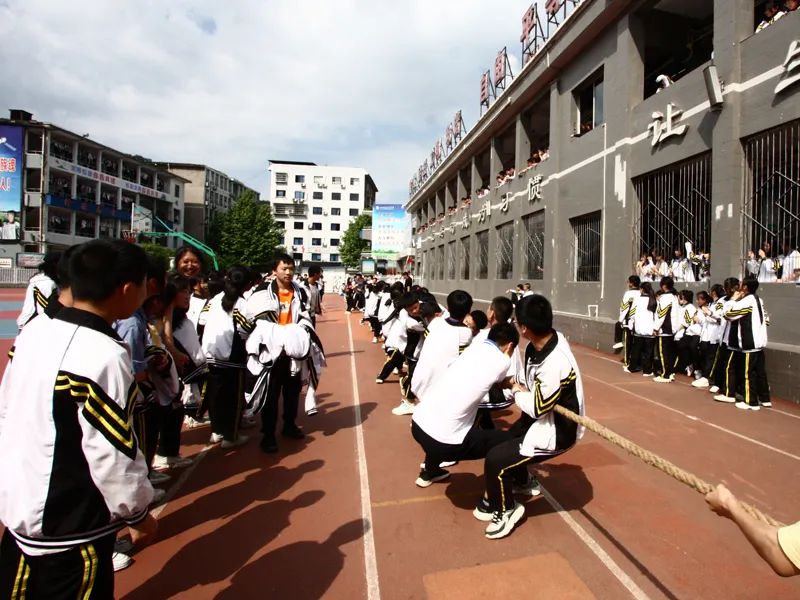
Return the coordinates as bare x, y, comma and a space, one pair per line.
16, 276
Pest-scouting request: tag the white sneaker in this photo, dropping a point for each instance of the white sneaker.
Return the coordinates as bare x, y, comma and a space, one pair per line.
120, 561
617, 346
700, 383
379, 381
404, 408
443, 465
532, 488
216, 438
311, 412
647, 374
157, 478
503, 523
626, 369
714, 389
374, 340
160, 463
178, 462
746, 406
662, 379
767, 404
239, 441
726, 399
192, 423
689, 371
123, 546
424, 480
158, 496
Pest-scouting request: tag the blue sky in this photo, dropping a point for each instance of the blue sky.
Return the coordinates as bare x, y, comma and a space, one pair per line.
234, 84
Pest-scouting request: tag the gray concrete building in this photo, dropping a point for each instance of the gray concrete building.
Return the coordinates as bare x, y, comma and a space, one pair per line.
661, 123
208, 192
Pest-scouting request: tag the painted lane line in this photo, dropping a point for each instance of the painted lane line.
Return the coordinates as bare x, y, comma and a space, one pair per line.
596, 549
370, 560
712, 425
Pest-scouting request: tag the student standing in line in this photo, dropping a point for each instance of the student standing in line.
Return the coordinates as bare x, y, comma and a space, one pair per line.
40, 288
83, 473
724, 379
311, 286
224, 347
624, 325
708, 336
643, 312
688, 337
666, 325
552, 377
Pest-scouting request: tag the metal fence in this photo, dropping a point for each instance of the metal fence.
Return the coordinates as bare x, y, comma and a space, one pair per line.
16, 276
587, 247
675, 208
533, 245
772, 189
482, 266
505, 251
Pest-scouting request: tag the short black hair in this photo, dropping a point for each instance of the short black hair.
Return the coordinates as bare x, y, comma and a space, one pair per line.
667, 282
216, 283
503, 333
687, 295
97, 268
459, 303
503, 308
704, 296
175, 283
49, 264
406, 300
314, 270
730, 284
281, 257
63, 279
635, 281
535, 313
718, 290
479, 318
751, 283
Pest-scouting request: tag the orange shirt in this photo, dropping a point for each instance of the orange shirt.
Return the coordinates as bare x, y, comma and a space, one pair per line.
285, 314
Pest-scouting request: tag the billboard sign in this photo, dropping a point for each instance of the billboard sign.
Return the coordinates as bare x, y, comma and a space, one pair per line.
11, 148
391, 231
141, 219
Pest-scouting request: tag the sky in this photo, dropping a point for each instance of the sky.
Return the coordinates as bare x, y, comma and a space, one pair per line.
234, 84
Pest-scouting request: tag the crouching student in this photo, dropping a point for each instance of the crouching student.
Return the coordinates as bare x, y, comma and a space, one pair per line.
552, 377
429, 310
224, 347
395, 331
71, 471
443, 423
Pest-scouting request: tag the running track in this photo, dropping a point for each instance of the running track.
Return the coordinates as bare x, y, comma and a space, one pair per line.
338, 516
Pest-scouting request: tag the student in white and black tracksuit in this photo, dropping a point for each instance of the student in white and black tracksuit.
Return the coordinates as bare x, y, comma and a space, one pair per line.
624, 325
643, 318
722, 370
667, 323
41, 288
747, 340
552, 377
223, 344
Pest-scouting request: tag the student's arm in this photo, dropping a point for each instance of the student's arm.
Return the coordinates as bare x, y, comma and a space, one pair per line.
169, 340
661, 312
764, 538
624, 307
550, 380
737, 308
130, 332
243, 325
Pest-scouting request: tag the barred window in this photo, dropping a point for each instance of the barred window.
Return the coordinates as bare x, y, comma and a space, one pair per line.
482, 268
772, 189
675, 207
451, 260
440, 263
505, 251
465, 257
587, 247
533, 226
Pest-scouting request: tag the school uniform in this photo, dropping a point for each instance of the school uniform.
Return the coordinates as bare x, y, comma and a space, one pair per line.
644, 339
371, 313
682, 270
668, 315
688, 339
553, 378
167, 389
747, 339
40, 288
710, 332
625, 324
415, 336
71, 471
498, 398
789, 264
223, 344
768, 269
446, 339
722, 370
443, 424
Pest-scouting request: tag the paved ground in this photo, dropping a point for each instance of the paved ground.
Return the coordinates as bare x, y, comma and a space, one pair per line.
338, 516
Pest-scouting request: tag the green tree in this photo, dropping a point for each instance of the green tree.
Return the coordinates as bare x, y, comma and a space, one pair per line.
248, 234
162, 253
352, 245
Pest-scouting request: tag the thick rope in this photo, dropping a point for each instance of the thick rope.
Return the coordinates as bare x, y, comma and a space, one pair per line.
656, 461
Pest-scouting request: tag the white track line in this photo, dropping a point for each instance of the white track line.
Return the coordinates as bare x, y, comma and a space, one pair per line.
697, 419
596, 549
370, 561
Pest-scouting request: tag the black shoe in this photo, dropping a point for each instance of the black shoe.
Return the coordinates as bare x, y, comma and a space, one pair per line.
293, 432
269, 445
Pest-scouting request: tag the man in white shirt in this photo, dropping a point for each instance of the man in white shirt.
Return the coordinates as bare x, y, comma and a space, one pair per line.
444, 422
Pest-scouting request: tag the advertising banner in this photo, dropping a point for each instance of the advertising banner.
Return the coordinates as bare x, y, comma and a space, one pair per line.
142, 219
11, 148
391, 231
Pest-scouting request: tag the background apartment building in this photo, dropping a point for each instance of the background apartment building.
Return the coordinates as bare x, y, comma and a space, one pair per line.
315, 205
75, 189
208, 192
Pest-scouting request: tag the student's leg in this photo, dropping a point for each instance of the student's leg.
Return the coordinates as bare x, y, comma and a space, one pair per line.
292, 386
648, 348
636, 349
668, 355
145, 425
169, 434
618, 332
405, 381
269, 414
435, 452
739, 375
395, 361
750, 379
694, 353
760, 376
728, 385
484, 419
626, 347
213, 397
479, 442
229, 404
503, 463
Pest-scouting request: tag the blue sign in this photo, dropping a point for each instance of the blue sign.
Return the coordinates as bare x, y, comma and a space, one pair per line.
11, 148
391, 230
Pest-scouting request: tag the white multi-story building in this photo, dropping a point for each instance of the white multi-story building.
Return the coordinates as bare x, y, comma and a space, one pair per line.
315, 205
75, 189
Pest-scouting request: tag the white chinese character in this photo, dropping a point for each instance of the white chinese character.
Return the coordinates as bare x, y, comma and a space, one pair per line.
791, 67
504, 205
663, 128
535, 188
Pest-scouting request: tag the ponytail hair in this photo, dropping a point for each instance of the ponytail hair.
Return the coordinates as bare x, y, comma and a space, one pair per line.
647, 290
237, 280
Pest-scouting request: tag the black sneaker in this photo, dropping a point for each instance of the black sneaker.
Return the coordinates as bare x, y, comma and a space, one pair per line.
482, 511
425, 478
293, 432
269, 445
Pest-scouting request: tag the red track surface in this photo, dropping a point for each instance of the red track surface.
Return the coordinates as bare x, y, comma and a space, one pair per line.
240, 524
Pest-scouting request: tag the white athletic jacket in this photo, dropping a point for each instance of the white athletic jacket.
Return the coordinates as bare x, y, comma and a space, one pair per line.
218, 336
70, 467
628, 298
444, 342
40, 287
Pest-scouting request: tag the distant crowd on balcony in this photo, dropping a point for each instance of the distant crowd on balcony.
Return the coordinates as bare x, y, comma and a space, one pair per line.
775, 10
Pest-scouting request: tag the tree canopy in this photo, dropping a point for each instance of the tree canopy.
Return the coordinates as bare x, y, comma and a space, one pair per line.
248, 234
352, 245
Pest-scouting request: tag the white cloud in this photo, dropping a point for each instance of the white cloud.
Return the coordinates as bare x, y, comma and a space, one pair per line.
234, 84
